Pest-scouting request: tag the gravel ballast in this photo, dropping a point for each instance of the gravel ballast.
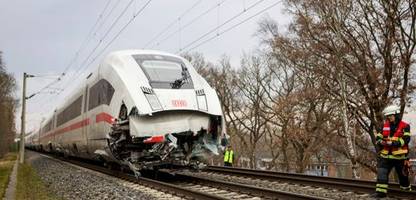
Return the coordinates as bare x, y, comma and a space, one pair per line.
71, 182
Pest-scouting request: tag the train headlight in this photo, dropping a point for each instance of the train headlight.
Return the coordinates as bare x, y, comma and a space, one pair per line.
152, 98
201, 99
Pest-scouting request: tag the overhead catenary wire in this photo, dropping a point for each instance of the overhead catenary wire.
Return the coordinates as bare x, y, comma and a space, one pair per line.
80, 49
113, 39
74, 75
223, 24
82, 65
87, 38
59, 77
235, 25
121, 30
106, 17
188, 24
177, 20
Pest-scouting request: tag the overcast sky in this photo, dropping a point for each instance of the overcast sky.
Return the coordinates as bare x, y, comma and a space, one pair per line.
42, 37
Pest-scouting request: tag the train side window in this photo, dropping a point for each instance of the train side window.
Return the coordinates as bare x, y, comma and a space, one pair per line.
70, 112
47, 127
100, 93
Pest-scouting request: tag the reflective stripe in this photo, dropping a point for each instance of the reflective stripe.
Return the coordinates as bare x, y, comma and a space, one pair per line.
408, 188
385, 186
406, 133
386, 128
394, 138
381, 190
229, 156
384, 151
399, 151
401, 157
401, 141
226, 155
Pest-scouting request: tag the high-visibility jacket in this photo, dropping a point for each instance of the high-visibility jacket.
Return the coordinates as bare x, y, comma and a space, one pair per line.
399, 148
229, 156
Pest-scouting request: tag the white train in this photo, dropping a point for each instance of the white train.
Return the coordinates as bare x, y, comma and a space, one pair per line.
139, 108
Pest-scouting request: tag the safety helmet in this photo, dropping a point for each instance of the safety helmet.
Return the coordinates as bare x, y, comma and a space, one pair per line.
391, 110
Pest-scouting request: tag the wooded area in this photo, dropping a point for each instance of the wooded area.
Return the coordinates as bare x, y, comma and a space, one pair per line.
319, 88
7, 109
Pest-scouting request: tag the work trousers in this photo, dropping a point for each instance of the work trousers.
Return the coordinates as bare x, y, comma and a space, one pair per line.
384, 167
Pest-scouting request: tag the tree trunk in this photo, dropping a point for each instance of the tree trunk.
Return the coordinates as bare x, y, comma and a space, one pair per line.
346, 127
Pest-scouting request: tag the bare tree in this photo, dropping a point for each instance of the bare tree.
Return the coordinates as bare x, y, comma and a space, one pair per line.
7, 109
360, 52
372, 42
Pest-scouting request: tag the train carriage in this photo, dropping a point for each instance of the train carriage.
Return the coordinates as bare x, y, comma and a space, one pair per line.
139, 108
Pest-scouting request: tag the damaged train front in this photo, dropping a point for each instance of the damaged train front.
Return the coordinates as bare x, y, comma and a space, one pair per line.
183, 126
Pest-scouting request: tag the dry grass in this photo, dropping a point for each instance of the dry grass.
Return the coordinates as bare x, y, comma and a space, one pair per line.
6, 166
30, 186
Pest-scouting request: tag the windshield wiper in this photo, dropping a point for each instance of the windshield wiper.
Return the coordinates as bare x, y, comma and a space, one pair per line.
176, 84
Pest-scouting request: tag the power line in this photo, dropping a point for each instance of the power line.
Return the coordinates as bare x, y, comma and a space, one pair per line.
235, 25
121, 30
221, 25
87, 38
85, 41
106, 17
189, 23
102, 38
48, 76
116, 36
59, 78
81, 48
172, 23
112, 40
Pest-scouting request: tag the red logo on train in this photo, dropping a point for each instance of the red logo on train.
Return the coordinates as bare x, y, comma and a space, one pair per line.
179, 103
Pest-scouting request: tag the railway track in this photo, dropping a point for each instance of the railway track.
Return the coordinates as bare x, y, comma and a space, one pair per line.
235, 190
357, 186
192, 187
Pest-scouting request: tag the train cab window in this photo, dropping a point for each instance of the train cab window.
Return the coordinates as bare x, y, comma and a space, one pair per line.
100, 93
70, 112
164, 71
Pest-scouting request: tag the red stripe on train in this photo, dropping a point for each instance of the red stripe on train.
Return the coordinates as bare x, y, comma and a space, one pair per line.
104, 117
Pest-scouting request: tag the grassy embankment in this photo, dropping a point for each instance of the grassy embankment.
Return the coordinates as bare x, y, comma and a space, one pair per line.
30, 186
6, 166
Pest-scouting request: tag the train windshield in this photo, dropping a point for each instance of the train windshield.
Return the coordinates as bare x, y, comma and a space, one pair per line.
165, 72
162, 70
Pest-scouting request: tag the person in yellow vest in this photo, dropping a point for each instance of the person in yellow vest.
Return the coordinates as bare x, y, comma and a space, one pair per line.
393, 142
228, 156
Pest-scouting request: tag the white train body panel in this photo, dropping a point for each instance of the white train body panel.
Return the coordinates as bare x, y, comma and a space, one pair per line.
142, 81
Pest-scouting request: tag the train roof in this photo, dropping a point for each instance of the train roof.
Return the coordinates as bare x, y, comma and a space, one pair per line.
140, 51
106, 60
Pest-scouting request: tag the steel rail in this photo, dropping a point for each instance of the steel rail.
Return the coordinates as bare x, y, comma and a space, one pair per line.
321, 181
245, 189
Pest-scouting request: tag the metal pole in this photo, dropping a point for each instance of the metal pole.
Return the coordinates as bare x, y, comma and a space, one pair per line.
22, 134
